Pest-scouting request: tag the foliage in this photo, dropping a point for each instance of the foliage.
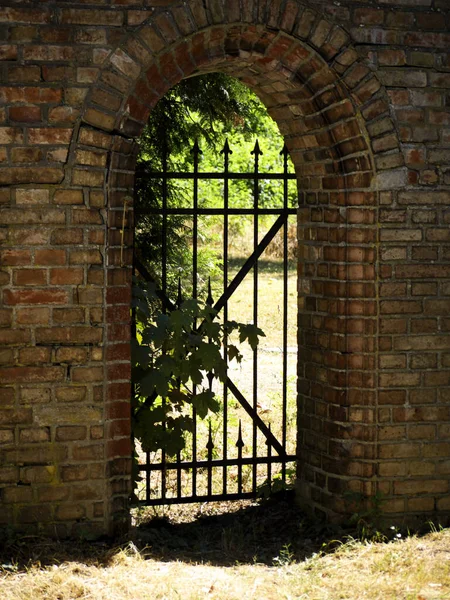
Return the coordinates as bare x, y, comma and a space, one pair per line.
176, 357
277, 485
208, 109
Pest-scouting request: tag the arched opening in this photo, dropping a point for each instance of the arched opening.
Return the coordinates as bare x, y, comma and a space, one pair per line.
314, 90
217, 230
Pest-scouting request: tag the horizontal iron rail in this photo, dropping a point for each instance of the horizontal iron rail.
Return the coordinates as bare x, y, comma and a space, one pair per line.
219, 462
218, 175
217, 211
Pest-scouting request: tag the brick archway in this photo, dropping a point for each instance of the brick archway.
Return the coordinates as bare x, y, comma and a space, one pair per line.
373, 224
323, 100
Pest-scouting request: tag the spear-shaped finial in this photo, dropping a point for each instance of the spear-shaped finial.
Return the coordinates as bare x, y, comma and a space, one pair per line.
256, 150
209, 299
196, 149
226, 150
210, 443
240, 441
179, 295
284, 152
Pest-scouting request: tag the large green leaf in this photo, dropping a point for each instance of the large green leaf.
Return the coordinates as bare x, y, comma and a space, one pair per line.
205, 401
251, 333
154, 382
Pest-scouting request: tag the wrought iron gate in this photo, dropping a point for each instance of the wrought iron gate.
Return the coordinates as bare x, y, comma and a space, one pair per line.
220, 463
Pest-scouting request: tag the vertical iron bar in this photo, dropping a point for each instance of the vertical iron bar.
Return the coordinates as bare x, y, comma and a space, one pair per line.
147, 477
284, 152
163, 458
178, 303
226, 157
269, 463
257, 153
196, 152
164, 220
239, 446
133, 386
164, 287
178, 474
210, 447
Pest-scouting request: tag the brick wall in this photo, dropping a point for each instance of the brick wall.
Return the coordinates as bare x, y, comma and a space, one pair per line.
361, 92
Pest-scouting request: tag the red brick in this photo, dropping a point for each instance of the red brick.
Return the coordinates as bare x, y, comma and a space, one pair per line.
50, 135
33, 316
73, 335
71, 433
34, 355
50, 257
31, 374
25, 114
14, 336
68, 276
30, 277
15, 257
44, 296
34, 435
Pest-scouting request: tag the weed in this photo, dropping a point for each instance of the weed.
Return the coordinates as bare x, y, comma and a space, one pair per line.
366, 515
285, 557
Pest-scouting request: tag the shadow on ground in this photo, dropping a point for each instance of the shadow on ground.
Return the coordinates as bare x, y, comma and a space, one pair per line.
272, 532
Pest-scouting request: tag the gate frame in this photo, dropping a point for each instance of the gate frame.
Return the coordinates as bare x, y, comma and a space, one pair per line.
250, 264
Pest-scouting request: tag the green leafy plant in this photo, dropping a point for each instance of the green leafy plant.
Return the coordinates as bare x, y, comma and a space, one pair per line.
176, 357
366, 515
277, 485
285, 557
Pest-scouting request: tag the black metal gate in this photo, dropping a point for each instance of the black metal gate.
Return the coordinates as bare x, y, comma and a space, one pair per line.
241, 454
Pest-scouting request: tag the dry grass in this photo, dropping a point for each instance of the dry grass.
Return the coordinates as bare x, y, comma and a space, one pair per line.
411, 569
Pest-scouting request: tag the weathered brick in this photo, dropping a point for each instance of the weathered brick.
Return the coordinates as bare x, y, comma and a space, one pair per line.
31, 374
68, 276
44, 296
427, 486
63, 316
72, 335
34, 355
34, 435
71, 394
49, 135
71, 433
66, 512
88, 17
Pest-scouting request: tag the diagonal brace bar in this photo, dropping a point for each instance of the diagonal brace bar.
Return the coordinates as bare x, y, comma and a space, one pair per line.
256, 418
250, 262
166, 302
